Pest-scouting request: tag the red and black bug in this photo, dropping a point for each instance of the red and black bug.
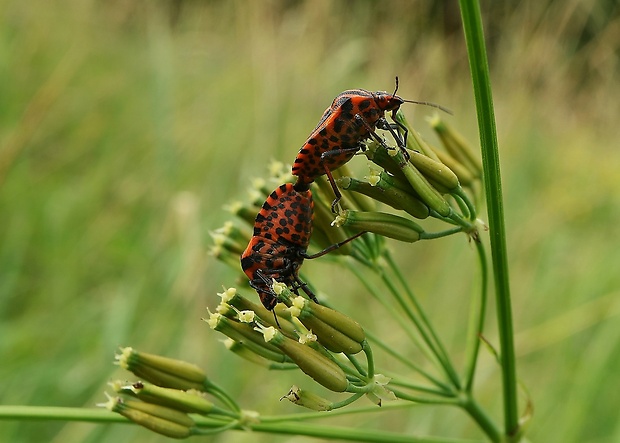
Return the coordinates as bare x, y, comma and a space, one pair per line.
278, 246
352, 118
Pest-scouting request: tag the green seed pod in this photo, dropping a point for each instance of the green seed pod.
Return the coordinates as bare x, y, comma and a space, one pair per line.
337, 320
415, 142
387, 225
314, 364
429, 195
457, 146
177, 372
307, 399
242, 332
187, 401
466, 178
157, 418
434, 170
388, 194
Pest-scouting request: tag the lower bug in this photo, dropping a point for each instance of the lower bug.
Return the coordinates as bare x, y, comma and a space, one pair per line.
278, 246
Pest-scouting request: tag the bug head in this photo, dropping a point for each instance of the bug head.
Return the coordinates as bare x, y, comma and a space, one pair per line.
394, 102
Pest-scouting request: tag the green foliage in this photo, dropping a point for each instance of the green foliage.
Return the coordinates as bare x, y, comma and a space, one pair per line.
125, 127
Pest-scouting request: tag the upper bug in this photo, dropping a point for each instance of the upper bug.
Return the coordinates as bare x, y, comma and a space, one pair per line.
352, 118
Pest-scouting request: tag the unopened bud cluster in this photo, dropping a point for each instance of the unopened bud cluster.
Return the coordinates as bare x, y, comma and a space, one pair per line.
419, 180
168, 391
306, 335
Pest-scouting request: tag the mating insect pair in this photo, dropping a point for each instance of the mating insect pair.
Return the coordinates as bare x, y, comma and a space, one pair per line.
283, 227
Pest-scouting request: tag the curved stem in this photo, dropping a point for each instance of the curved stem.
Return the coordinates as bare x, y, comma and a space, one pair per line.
425, 400
395, 315
347, 401
461, 195
222, 395
447, 232
481, 418
396, 381
476, 323
422, 323
370, 359
389, 350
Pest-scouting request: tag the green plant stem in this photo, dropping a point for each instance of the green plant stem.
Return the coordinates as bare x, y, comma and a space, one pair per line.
461, 195
304, 416
424, 400
447, 232
370, 359
394, 314
396, 381
221, 394
389, 350
358, 366
347, 401
422, 323
476, 322
472, 25
444, 362
93, 415
474, 410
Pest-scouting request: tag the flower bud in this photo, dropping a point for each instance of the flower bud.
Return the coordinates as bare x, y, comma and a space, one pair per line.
388, 194
254, 353
187, 401
434, 171
314, 364
334, 330
232, 297
157, 418
417, 142
242, 332
387, 225
162, 371
466, 178
429, 195
456, 145
380, 156
307, 399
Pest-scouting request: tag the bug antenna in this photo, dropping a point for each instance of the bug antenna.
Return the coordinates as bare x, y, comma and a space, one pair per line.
396, 89
434, 105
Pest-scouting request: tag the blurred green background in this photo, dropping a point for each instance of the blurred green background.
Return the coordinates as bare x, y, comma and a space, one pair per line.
125, 126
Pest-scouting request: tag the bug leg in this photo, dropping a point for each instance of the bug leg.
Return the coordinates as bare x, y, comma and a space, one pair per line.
330, 177
301, 284
382, 123
337, 193
401, 126
332, 247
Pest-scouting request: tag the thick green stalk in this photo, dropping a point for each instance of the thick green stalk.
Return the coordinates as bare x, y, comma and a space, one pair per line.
472, 25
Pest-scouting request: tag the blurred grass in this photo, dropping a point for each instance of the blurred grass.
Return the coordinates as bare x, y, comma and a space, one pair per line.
125, 126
